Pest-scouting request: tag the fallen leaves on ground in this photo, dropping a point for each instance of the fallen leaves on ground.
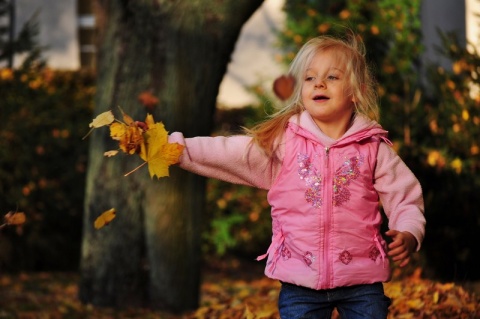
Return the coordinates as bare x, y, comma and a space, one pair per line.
54, 295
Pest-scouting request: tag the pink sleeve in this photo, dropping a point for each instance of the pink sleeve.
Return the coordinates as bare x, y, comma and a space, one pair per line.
400, 194
233, 159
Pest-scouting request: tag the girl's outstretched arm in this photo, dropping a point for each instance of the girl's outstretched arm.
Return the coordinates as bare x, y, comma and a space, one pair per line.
233, 159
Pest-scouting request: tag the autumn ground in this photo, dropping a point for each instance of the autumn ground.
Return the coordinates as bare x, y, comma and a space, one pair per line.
235, 291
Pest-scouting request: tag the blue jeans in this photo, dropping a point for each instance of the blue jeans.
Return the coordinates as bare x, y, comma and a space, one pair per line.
354, 302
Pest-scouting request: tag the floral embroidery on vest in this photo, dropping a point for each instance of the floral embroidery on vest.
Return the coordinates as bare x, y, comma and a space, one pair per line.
286, 254
313, 180
308, 258
345, 257
349, 171
374, 253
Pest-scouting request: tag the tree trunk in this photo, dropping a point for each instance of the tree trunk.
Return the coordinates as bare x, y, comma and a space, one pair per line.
179, 51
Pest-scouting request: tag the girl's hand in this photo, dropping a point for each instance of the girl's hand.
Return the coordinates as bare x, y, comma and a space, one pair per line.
402, 246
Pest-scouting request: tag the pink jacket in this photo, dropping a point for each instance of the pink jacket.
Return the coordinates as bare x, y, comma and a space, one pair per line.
324, 196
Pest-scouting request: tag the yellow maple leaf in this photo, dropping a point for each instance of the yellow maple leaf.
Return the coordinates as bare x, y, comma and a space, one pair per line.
168, 155
149, 120
105, 218
159, 153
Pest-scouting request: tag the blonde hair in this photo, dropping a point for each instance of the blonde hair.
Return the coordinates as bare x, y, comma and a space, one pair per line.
360, 83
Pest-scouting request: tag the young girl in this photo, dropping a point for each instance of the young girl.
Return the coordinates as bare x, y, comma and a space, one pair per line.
327, 164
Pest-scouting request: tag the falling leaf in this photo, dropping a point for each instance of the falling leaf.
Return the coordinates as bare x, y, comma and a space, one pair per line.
105, 218
159, 153
148, 99
284, 86
14, 218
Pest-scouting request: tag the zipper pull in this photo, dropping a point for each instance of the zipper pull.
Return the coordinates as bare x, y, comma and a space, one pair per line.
327, 151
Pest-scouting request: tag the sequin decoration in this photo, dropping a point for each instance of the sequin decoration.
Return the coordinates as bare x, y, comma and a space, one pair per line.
286, 254
349, 171
345, 257
374, 253
308, 258
312, 179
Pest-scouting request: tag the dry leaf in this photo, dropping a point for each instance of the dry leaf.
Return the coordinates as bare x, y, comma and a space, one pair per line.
118, 130
159, 153
130, 137
14, 218
148, 99
222, 297
127, 119
105, 118
105, 218
110, 153
284, 86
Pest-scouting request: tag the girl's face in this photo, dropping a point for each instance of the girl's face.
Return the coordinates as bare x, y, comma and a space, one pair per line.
325, 90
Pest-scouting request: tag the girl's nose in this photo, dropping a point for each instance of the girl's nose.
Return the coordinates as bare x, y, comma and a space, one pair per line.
320, 83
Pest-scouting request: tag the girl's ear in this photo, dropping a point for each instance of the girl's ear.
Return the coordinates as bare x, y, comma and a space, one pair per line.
354, 97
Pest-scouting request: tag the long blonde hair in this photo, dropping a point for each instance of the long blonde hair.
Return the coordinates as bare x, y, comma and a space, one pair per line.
360, 82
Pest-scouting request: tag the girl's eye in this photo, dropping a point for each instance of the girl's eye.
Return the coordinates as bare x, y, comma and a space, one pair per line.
309, 78
332, 77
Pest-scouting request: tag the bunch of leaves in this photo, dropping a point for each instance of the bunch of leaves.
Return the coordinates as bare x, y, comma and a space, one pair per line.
44, 113
147, 139
247, 295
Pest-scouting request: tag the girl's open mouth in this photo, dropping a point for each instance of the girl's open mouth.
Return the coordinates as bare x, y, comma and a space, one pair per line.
320, 97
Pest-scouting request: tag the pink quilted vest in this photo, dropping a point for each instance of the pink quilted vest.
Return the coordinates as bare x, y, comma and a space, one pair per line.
325, 213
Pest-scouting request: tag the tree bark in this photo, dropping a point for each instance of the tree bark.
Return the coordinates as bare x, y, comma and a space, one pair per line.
179, 51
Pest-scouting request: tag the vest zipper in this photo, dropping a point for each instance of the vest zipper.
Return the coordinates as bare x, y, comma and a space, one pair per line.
327, 199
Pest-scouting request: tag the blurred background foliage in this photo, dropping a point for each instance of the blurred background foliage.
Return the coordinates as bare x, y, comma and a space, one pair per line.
432, 115
44, 113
